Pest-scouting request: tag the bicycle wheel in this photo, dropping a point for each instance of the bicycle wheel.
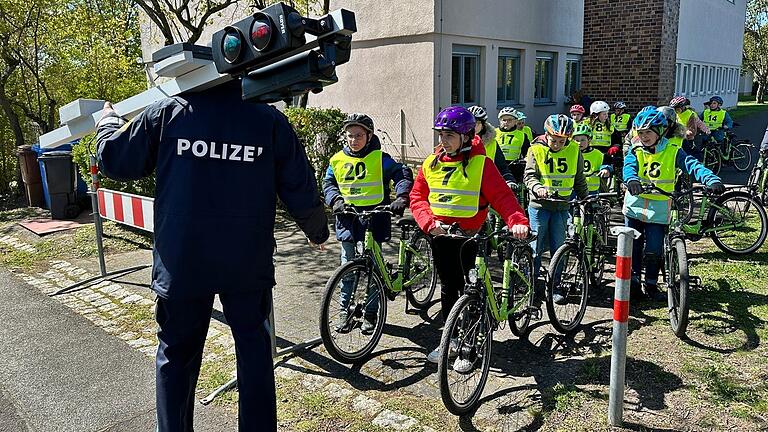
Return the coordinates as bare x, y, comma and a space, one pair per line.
567, 277
352, 289
739, 223
466, 338
684, 204
599, 244
419, 271
712, 160
677, 286
521, 291
741, 156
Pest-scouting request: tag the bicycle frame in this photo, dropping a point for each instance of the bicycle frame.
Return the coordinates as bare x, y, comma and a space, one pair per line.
700, 228
373, 251
500, 312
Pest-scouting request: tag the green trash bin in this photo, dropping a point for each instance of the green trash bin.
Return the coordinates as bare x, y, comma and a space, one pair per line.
60, 180
30, 174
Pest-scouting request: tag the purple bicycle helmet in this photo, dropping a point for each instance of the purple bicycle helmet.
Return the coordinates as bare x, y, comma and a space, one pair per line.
455, 118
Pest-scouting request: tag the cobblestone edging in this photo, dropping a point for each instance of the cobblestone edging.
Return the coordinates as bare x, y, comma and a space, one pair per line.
109, 306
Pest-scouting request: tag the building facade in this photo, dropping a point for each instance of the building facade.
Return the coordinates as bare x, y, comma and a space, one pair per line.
410, 59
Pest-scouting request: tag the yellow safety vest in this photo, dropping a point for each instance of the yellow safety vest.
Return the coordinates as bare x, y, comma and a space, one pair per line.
490, 149
601, 134
621, 123
528, 133
684, 117
361, 180
714, 119
450, 192
675, 141
657, 169
593, 160
558, 170
511, 143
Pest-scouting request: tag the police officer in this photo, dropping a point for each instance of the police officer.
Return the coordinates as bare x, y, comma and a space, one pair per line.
220, 165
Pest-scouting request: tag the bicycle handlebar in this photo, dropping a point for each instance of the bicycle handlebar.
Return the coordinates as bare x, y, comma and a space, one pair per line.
351, 209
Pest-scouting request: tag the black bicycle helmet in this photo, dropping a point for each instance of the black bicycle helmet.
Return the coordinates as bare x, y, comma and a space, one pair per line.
359, 119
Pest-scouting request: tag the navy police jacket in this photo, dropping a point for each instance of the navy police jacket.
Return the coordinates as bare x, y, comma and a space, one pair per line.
221, 164
347, 227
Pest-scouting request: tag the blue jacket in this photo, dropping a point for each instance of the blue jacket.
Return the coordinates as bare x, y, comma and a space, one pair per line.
349, 228
659, 211
221, 164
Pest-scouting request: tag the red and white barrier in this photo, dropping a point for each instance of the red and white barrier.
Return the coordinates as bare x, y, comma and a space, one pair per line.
625, 238
128, 209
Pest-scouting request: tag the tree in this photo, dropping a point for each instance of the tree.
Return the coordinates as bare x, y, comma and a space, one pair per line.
755, 58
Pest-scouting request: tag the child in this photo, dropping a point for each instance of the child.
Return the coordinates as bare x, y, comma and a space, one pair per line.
620, 120
554, 167
653, 160
596, 164
512, 141
695, 128
522, 126
577, 115
485, 135
456, 184
718, 120
367, 188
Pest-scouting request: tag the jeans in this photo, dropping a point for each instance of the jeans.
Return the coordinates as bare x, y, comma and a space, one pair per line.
550, 226
652, 237
348, 253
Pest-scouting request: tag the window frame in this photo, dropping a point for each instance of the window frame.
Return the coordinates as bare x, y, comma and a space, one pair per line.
464, 52
572, 59
549, 84
514, 55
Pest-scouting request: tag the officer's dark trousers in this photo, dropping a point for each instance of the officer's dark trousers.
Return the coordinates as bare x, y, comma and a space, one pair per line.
183, 327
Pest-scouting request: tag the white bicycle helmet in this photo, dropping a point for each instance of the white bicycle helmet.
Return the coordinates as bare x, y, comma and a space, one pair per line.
508, 111
479, 112
598, 107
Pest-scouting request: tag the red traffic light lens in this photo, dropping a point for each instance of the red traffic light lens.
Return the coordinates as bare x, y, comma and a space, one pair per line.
261, 32
231, 45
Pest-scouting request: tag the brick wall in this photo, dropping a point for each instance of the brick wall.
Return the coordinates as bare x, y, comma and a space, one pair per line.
630, 51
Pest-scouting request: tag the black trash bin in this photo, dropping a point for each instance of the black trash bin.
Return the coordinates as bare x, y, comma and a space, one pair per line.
60, 180
30, 174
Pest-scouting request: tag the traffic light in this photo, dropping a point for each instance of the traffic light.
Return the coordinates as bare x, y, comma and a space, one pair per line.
271, 51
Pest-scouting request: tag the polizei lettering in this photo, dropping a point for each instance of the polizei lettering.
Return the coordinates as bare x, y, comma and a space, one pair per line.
213, 150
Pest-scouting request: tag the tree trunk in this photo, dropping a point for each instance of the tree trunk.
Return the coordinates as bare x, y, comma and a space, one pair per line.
760, 91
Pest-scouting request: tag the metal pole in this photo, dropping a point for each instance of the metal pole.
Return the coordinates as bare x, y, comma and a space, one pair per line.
96, 215
625, 239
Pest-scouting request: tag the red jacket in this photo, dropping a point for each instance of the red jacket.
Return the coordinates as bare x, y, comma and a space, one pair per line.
493, 191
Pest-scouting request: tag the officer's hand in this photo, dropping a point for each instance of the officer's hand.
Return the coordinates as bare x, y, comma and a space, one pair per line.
338, 205
613, 150
635, 187
519, 231
542, 192
716, 188
399, 205
604, 173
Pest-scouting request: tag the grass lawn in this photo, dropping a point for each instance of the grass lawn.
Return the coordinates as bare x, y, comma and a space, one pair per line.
747, 106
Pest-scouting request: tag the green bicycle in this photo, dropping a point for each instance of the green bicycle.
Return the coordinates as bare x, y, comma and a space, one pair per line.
358, 287
758, 179
735, 221
731, 151
579, 262
468, 333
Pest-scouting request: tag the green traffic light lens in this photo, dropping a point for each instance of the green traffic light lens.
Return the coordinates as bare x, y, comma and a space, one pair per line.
232, 45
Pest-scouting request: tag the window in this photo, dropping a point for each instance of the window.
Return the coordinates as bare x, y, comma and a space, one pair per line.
684, 80
678, 71
694, 80
465, 75
508, 81
543, 77
704, 77
572, 74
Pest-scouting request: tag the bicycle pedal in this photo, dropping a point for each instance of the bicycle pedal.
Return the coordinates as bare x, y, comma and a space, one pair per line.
535, 313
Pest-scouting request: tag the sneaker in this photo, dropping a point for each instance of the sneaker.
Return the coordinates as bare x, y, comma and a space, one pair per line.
653, 293
559, 299
343, 323
434, 356
462, 366
369, 323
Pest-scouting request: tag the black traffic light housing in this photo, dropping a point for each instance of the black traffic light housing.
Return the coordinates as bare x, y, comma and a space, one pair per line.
269, 49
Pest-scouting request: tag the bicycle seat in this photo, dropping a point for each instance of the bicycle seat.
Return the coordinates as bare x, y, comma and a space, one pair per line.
407, 222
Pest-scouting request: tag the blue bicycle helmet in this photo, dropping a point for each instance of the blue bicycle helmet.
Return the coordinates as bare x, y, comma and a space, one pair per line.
559, 125
717, 99
650, 118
